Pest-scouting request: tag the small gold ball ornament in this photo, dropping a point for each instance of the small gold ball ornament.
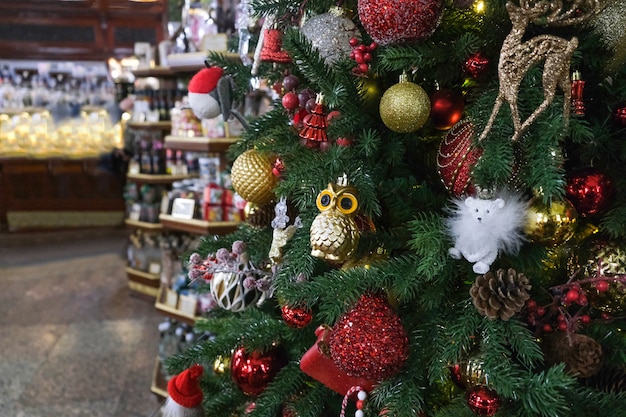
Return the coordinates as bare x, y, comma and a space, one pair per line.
550, 224
252, 177
404, 107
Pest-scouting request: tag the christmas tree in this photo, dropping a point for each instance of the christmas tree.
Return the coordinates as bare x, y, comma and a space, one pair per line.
436, 214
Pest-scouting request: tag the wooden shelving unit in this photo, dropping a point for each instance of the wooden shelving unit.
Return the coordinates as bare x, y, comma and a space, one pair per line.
163, 125
199, 144
157, 178
195, 226
137, 224
159, 383
143, 283
170, 307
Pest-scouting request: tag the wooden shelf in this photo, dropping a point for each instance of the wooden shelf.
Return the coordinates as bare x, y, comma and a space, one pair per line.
199, 144
200, 227
157, 71
156, 179
159, 383
171, 311
164, 125
143, 225
143, 283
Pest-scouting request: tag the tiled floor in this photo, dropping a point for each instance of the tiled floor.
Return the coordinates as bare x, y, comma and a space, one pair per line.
73, 342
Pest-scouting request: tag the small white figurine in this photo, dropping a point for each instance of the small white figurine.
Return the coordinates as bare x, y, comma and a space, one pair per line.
483, 228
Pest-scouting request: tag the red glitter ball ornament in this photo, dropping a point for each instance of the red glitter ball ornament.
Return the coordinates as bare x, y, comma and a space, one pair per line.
396, 21
369, 340
253, 371
482, 400
456, 158
446, 108
589, 190
296, 317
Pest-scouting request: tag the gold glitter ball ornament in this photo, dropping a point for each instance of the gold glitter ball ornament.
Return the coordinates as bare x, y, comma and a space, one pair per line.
550, 224
404, 107
252, 177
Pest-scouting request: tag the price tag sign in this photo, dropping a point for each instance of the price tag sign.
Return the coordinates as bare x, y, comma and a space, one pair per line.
183, 208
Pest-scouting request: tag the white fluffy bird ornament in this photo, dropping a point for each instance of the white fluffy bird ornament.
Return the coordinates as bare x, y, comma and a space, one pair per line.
210, 93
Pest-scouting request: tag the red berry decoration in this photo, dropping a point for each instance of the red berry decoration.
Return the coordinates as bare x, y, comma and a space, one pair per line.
396, 21
253, 371
476, 65
602, 286
290, 82
590, 191
456, 158
369, 340
571, 296
290, 101
482, 400
362, 55
446, 108
296, 317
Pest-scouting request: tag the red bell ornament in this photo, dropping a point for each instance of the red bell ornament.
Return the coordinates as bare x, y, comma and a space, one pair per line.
296, 317
590, 191
253, 371
482, 400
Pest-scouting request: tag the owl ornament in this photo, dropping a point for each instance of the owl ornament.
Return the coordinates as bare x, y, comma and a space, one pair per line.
335, 232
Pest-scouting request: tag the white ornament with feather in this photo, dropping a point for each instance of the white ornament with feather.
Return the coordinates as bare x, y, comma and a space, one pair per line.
483, 228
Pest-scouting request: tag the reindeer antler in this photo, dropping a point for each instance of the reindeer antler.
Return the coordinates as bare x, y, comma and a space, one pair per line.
578, 12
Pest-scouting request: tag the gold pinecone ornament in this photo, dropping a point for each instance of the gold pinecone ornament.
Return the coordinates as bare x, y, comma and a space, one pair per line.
501, 295
252, 177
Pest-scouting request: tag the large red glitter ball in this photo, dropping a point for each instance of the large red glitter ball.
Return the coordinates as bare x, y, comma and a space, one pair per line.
482, 400
446, 108
456, 158
253, 371
396, 21
369, 340
590, 191
296, 317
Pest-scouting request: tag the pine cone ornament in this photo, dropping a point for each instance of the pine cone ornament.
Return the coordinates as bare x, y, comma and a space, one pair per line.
581, 354
500, 295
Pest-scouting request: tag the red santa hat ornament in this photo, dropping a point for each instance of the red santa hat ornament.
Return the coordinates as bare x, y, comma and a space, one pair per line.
185, 395
204, 104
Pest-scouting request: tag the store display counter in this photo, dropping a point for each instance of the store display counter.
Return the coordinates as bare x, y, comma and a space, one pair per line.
59, 192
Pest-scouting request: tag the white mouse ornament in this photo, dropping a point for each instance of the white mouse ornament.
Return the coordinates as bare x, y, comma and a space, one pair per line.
483, 228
